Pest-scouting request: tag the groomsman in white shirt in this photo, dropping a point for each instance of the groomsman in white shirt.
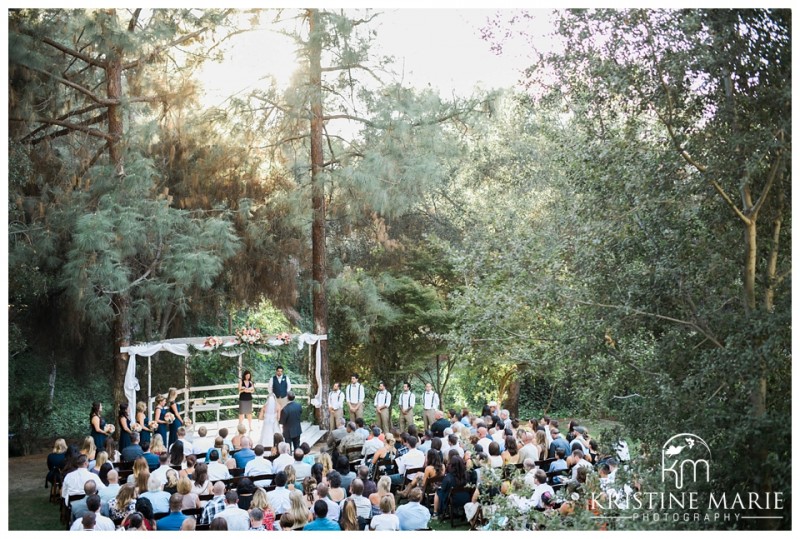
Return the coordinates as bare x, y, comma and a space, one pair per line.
407, 401
335, 404
354, 396
383, 399
430, 403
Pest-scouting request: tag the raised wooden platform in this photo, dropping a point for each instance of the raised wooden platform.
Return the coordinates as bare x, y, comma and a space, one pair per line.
311, 433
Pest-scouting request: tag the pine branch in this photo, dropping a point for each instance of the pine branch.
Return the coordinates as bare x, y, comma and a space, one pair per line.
62, 117
72, 52
70, 126
285, 140
158, 50
134, 19
358, 22
345, 116
142, 277
341, 158
350, 67
88, 93
84, 169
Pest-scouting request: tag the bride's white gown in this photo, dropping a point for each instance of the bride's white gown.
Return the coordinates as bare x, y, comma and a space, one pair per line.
269, 425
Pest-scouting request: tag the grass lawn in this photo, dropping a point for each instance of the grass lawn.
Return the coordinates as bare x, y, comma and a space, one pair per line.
29, 507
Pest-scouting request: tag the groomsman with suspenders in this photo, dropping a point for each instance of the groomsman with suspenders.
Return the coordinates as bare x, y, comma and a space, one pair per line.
430, 403
335, 404
354, 396
281, 386
407, 401
382, 401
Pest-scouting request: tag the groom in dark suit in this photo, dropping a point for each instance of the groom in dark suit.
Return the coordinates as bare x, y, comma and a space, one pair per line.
290, 419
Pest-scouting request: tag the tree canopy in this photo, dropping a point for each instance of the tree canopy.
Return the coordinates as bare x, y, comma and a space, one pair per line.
610, 238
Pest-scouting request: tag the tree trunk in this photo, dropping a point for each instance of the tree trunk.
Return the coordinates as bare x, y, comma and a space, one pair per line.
122, 337
121, 302
750, 242
318, 251
51, 384
511, 402
114, 92
772, 262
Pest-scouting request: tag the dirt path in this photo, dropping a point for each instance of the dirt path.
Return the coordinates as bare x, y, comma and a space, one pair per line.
26, 475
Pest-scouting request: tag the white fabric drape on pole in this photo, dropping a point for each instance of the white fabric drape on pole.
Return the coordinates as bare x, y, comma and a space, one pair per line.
311, 339
131, 385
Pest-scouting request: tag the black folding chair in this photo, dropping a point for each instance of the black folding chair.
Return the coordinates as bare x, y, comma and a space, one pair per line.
458, 510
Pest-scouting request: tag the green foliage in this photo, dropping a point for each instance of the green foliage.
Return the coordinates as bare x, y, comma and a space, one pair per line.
32, 419
575, 248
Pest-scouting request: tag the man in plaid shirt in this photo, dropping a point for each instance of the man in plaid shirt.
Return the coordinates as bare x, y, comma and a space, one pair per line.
215, 505
404, 448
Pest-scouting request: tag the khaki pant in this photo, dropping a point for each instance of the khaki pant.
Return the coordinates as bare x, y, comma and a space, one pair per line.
282, 401
428, 418
384, 420
406, 419
336, 415
357, 412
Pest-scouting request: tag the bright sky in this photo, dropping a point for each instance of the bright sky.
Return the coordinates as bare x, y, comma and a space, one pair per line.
440, 47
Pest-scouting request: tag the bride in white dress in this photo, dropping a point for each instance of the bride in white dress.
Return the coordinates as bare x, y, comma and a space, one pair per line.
269, 421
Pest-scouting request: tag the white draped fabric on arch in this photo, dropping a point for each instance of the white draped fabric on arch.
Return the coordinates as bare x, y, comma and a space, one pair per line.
186, 346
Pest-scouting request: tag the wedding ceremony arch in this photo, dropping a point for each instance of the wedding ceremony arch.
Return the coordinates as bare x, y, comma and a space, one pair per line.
230, 346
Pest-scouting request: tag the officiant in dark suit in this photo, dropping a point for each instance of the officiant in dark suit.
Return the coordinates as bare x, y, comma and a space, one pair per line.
290, 419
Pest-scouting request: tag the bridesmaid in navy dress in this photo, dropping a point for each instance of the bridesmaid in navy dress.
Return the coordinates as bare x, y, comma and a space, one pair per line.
161, 411
143, 421
98, 425
124, 426
173, 408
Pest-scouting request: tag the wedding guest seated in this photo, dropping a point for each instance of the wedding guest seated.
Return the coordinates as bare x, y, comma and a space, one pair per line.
223, 433
244, 455
79, 506
215, 505
386, 520
363, 507
236, 517
202, 442
101, 523
124, 503
362, 472
259, 466
301, 469
190, 499
413, 515
150, 458
75, 481
156, 495
333, 507
241, 430
284, 458
336, 492
279, 498
134, 450
160, 473
174, 520
217, 470
321, 522
109, 491
56, 461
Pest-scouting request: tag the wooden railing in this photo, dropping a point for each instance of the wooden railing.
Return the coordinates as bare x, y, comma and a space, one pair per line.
230, 400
